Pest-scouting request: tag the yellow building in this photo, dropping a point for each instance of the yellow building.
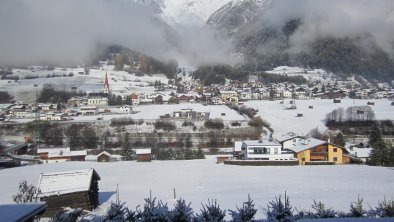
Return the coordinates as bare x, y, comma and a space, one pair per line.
313, 150
229, 96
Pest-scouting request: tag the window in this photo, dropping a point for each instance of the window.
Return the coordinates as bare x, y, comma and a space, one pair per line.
303, 159
275, 150
335, 159
335, 150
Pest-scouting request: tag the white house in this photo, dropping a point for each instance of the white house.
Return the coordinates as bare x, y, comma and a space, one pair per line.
264, 149
125, 109
98, 101
245, 94
88, 110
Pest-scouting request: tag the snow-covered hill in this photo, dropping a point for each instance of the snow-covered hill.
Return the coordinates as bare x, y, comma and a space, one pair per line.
195, 12
191, 11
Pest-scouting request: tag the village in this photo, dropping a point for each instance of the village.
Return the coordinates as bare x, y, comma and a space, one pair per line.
192, 112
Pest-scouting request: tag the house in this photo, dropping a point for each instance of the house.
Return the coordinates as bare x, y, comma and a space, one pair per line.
245, 94
75, 101
125, 109
51, 116
103, 157
75, 189
88, 110
98, 101
310, 151
21, 212
135, 99
359, 153
229, 96
55, 155
185, 98
264, 149
143, 155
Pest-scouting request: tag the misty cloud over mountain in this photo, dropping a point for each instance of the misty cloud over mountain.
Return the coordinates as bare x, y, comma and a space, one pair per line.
69, 31
335, 18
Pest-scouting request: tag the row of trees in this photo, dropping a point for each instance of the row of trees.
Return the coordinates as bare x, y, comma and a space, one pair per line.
352, 114
78, 136
217, 74
178, 154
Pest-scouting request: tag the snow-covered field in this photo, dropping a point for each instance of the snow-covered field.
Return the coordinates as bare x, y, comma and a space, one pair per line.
283, 121
198, 180
120, 81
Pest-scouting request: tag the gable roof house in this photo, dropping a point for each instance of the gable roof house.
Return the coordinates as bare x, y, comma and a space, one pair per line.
310, 151
75, 189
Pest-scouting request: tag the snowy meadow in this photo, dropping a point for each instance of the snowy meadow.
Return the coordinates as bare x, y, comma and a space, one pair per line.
197, 181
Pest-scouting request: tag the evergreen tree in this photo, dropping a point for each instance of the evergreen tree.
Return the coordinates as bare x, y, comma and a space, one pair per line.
321, 211
74, 137
244, 214
340, 139
356, 208
153, 212
127, 152
380, 152
280, 211
182, 212
120, 213
211, 212
200, 154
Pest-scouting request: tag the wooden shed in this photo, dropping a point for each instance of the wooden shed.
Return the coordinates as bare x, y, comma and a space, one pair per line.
143, 155
103, 157
75, 189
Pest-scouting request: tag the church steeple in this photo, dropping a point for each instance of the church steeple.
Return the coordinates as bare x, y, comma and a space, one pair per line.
106, 84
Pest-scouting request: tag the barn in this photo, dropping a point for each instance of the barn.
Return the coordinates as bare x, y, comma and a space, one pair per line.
75, 189
143, 155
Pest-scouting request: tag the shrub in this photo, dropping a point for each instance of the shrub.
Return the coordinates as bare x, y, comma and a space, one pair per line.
385, 208
25, 194
211, 212
67, 215
118, 212
214, 124
153, 212
181, 212
279, 210
356, 208
165, 125
244, 214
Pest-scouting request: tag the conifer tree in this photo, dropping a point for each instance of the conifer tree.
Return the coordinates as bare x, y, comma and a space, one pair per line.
182, 212
380, 152
127, 152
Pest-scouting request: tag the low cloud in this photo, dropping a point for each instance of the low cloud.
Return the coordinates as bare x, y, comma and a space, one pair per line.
335, 18
68, 31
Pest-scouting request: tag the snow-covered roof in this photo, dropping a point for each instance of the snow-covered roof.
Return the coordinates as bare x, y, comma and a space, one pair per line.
103, 153
285, 137
359, 152
143, 151
21, 211
79, 153
306, 144
54, 150
60, 183
262, 142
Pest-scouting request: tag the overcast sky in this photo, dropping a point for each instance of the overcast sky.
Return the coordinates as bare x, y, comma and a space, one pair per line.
68, 31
